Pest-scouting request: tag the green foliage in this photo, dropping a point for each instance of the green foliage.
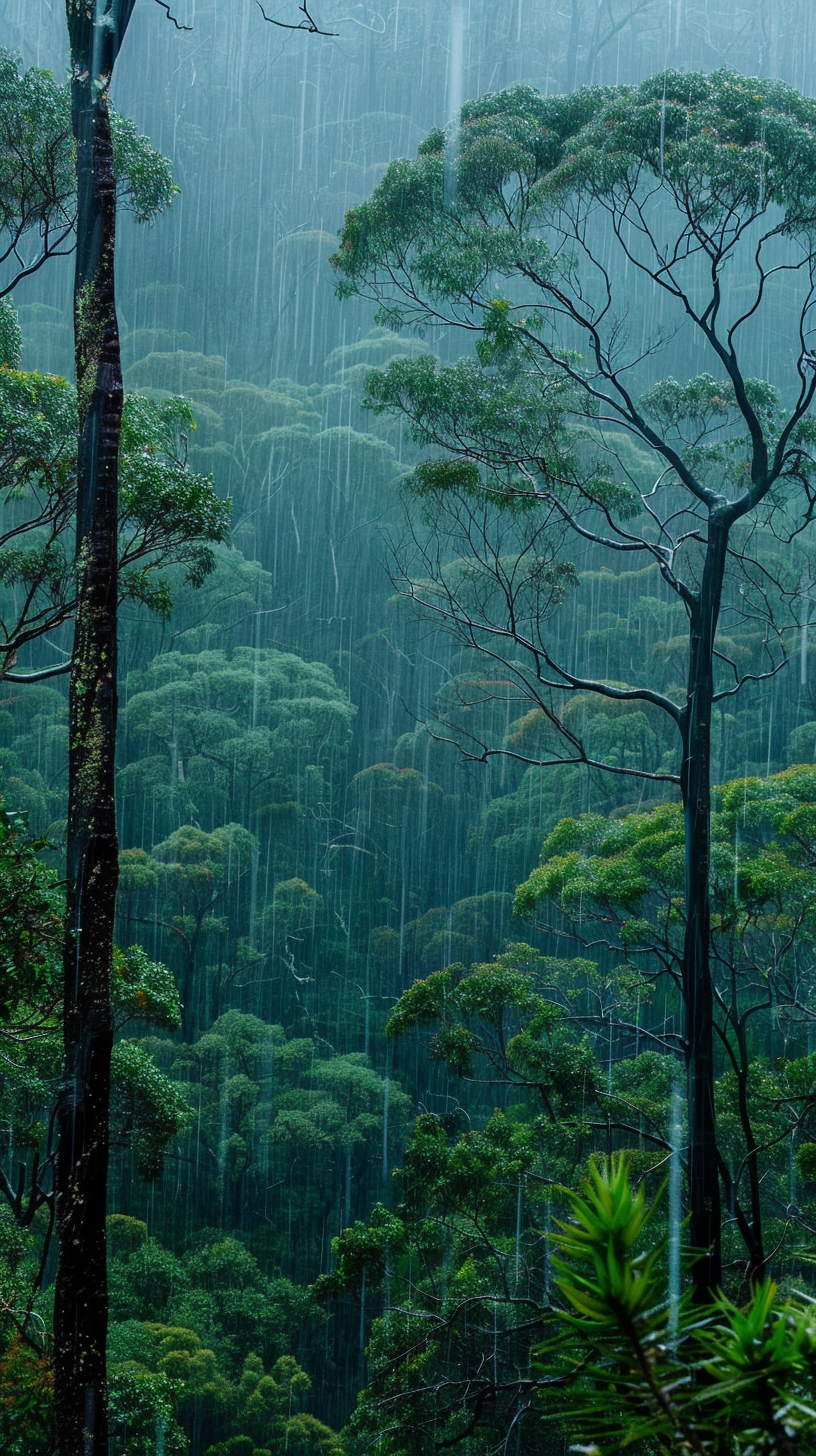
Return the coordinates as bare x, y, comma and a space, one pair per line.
282, 1119
295, 908
629, 871
422, 1003
144, 176
507, 1019
488, 230
364, 1249
11, 337
463, 1250
169, 515
142, 1411
125, 1233
625, 1366
376, 347
200, 861
343, 1108
148, 1109
728, 142
229, 1300
197, 870
180, 373
322, 899
736, 1378
31, 912
39, 428
143, 1276
600, 1274
238, 1039
714, 143
161, 1374
507, 422
475, 1178
623, 880
37, 186
614, 1362
38, 179
617, 863
257, 718
144, 990
26, 1400
265, 1401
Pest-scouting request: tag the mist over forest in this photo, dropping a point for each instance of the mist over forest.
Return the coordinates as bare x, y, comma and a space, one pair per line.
460, 1080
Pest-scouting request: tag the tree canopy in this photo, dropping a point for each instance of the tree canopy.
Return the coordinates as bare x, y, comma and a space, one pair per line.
458, 1000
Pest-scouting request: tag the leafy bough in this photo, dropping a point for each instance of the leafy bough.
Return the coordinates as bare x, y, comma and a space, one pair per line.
625, 1366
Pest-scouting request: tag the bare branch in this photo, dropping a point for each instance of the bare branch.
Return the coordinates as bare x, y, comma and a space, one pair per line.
170, 16
307, 24
30, 677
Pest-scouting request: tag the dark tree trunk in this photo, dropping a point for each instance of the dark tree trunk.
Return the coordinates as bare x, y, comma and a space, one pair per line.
751, 1231
705, 1226
80, 1308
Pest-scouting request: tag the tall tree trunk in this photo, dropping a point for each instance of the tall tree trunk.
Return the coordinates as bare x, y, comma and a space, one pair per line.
573, 37
96, 29
705, 1226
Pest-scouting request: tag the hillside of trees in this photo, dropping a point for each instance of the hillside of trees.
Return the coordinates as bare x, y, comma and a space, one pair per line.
461, 1011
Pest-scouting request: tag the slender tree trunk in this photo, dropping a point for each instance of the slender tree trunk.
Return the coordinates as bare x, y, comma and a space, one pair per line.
573, 38
80, 1308
705, 1227
751, 1231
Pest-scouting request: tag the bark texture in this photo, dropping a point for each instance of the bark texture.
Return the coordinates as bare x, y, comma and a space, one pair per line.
96, 31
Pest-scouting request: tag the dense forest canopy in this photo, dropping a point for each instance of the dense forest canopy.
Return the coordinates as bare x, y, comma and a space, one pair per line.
459, 1021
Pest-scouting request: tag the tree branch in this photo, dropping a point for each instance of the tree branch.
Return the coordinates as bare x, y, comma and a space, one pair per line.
307, 24
170, 16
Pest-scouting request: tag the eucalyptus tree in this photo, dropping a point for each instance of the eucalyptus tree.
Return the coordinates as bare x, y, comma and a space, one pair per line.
620, 222
38, 214
618, 882
471, 1343
168, 515
96, 33
38, 185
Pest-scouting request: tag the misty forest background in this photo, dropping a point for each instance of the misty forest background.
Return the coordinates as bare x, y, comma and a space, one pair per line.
297, 847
